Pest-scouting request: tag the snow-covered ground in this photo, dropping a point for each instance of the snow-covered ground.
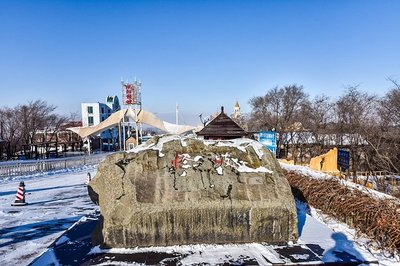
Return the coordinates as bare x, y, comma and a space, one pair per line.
384, 257
318, 232
58, 200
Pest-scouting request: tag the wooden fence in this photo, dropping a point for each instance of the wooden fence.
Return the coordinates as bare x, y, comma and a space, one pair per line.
29, 168
383, 181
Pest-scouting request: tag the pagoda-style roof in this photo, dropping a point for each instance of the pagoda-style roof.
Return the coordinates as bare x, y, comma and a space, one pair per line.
222, 127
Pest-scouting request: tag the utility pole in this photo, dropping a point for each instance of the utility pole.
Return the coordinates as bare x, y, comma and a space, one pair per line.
177, 114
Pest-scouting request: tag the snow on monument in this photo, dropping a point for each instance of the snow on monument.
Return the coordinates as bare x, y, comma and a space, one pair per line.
176, 190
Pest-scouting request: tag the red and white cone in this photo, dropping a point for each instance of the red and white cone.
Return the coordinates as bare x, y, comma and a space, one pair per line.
20, 197
88, 179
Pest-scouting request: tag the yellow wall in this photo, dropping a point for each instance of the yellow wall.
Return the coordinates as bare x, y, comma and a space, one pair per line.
329, 161
286, 161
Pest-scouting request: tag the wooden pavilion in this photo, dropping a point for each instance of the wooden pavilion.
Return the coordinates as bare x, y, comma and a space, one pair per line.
222, 127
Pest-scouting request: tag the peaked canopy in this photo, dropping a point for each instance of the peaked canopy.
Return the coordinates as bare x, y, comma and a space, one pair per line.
142, 117
222, 127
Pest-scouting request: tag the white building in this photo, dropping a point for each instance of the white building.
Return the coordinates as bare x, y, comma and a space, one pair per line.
95, 113
236, 111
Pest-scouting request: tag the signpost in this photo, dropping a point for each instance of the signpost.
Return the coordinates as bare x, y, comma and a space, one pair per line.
131, 93
343, 160
268, 139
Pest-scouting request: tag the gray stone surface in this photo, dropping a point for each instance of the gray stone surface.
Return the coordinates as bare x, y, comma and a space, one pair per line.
184, 191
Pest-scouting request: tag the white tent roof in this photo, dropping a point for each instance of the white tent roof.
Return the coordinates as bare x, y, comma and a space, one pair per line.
143, 117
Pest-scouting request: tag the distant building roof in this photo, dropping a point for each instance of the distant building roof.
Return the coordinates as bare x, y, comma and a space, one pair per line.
296, 127
222, 127
68, 124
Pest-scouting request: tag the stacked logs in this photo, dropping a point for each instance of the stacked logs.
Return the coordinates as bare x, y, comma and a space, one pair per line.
377, 218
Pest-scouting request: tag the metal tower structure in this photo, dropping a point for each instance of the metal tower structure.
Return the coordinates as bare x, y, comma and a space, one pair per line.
131, 98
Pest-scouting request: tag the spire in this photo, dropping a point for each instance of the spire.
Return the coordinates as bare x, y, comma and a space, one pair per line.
236, 110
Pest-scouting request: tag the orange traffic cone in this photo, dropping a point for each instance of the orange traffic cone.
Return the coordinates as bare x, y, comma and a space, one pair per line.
89, 178
20, 197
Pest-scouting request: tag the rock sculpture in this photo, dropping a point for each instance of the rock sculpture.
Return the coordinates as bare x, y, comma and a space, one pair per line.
176, 190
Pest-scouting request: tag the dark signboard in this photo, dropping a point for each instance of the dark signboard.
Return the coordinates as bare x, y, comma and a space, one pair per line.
343, 160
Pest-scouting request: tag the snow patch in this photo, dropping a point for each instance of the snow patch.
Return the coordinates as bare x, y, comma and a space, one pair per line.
231, 144
158, 146
245, 169
197, 158
300, 256
219, 170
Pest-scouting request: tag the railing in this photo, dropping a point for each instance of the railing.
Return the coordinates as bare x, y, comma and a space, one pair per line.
376, 173
28, 168
383, 181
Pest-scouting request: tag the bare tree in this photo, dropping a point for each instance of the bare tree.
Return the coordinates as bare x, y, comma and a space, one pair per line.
11, 130
390, 105
21, 124
355, 112
242, 121
384, 136
317, 115
277, 110
52, 129
36, 115
368, 126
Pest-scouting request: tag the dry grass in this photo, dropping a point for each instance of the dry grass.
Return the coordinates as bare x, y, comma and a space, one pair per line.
377, 218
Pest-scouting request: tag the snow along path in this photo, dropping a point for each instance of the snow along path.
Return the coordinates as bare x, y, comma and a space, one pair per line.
304, 170
55, 203
59, 200
329, 244
310, 235
319, 243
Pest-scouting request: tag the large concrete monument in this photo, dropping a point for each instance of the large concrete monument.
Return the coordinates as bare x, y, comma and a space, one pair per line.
176, 190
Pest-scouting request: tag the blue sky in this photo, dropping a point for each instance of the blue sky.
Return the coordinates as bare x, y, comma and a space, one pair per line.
201, 54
